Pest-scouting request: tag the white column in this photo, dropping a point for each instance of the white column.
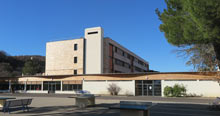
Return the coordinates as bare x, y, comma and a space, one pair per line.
61, 85
134, 88
9, 84
42, 85
25, 86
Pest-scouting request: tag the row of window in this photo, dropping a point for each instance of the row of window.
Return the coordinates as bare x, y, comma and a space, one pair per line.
139, 69
72, 87
126, 65
47, 85
122, 63
4, 86
122, 53
66, 87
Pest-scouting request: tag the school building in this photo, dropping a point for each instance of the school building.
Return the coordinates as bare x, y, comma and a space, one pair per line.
93, 62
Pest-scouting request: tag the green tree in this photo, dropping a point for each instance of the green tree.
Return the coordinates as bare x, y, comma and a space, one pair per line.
189, 22
32, 67
5, 70
175, 91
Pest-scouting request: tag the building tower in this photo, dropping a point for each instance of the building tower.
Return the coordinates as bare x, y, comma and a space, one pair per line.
94, 49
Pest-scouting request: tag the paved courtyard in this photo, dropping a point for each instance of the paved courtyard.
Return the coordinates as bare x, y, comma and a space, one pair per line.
61, 105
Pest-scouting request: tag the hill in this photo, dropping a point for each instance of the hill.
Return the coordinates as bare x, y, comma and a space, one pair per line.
11, 66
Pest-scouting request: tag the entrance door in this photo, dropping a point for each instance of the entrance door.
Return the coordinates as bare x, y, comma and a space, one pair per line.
147, 89
52, 87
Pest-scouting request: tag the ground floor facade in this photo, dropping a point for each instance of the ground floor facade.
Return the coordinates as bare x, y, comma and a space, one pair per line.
148, 84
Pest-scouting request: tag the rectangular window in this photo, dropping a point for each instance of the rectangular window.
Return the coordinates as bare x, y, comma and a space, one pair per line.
129, 56
95, 32
72, 87
75, 59
75, 47
75, 72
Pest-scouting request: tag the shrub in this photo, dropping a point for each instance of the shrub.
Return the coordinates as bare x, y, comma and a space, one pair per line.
179, 90
114, 89
168, 91
175, 91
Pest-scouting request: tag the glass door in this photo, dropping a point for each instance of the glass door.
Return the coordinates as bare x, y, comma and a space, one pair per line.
52, 87
147, 89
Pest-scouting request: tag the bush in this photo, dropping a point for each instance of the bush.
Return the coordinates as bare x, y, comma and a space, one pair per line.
168, 91
179, 90
114, 89
175, 91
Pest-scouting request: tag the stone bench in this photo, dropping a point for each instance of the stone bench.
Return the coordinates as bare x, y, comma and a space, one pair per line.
85, 100
23, 103
215, 104
132, 108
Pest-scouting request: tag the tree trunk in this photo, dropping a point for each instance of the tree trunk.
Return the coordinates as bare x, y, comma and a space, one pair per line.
217, 52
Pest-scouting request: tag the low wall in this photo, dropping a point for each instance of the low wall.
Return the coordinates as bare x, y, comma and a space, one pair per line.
65, 92
36, 91
206, 88
4, 91
101, 87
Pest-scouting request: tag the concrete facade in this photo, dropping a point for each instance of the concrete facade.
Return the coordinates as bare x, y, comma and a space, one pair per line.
205, 84
101, 87
94, 50
95, 55
60, 57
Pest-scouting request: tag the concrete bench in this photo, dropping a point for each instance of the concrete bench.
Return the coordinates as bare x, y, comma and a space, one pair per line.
215, 104
85, 100
23, 103
132, 108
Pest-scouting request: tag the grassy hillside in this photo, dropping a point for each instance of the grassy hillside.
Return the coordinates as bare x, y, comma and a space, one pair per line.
13, 65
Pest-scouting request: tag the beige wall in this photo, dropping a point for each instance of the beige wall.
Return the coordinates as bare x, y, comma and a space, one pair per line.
94, 50
60, 57
101, 87
204, 88
205, 84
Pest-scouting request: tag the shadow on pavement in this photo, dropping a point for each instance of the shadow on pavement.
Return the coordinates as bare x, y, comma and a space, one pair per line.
161, 109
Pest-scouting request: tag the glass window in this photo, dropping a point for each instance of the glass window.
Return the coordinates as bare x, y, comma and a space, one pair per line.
75, 59
72, 87
75, 47
75, 72
4, 86
95, 32
35, 87
45, 87
58, 85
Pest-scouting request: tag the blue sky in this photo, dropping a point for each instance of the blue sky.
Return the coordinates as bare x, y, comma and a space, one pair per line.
26, 26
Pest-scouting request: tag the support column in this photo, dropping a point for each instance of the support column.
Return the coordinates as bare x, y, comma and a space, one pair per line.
25, 86
153, 88
42, 85
9, 86
134, 87
61, 85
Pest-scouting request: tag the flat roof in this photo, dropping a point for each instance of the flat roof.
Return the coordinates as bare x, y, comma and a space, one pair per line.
123, 76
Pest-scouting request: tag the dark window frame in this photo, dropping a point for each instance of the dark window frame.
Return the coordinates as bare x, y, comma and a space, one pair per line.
95, 32
75, 72
75, 60
75, 47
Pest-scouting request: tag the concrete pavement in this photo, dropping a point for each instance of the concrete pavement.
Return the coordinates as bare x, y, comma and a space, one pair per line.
60, 105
